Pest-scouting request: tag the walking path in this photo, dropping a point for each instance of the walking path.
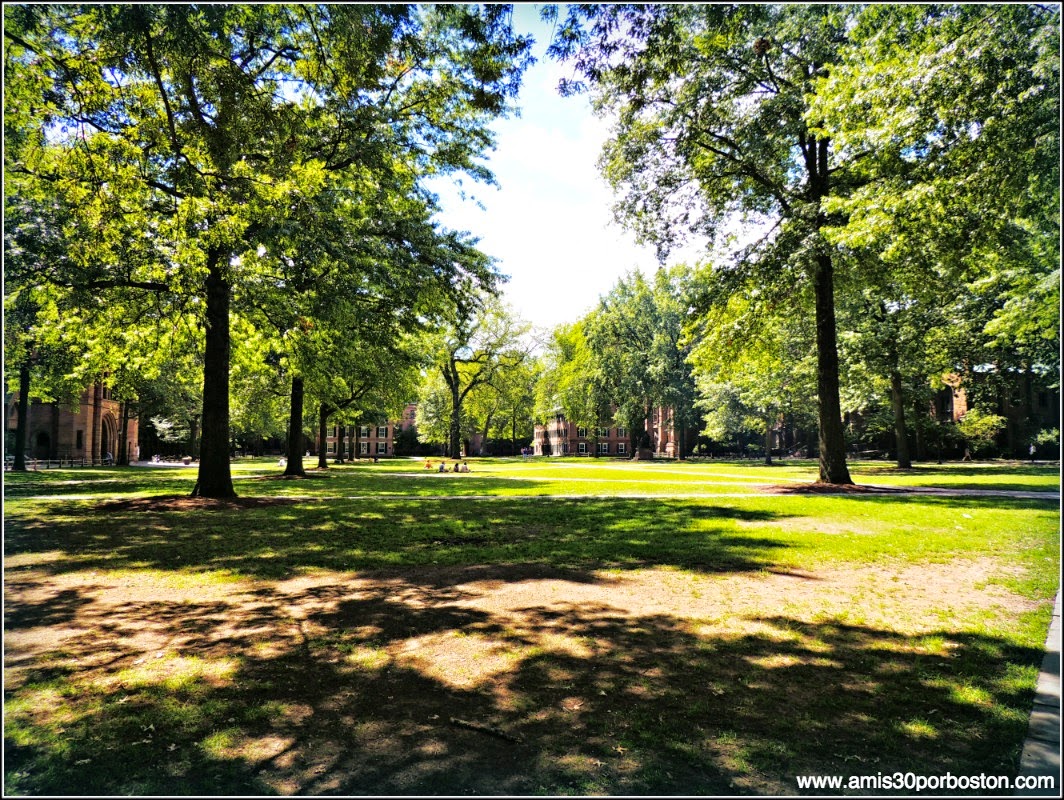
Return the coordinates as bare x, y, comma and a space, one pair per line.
1041, 752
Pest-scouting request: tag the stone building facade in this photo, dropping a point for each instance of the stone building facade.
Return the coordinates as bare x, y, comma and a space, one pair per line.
88, 429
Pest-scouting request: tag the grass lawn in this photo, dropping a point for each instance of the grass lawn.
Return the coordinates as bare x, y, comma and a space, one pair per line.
537, 626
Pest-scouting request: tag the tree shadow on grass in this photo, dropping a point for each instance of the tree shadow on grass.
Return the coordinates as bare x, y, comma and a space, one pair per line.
282, 540
988, 502
357, 694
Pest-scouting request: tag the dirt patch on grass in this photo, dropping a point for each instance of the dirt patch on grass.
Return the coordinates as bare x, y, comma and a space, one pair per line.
186, 502
650, 681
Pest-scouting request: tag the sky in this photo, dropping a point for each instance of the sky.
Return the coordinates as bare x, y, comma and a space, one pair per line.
549, 222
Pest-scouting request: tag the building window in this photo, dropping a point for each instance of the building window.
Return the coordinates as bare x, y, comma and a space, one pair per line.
382, 432
581, 433
622, 433
604, 447
79, 441
331, 448
582, 447
382, 447
603, 432
622, 448
363, 432
363, 448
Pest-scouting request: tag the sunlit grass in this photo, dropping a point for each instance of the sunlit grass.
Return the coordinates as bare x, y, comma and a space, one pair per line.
521, 477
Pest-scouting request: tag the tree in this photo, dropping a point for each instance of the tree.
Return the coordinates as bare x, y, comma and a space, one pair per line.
669, 359
711, 128
203, 120
637, 343
621, 334
472, 352
61, 336
515, 390
570, 382
260, 395
433, 416
376, 382
958, 111
896, 347
979, 429
754, 368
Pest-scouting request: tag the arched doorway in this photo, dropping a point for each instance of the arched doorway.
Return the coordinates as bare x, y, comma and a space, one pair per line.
108, 438
42, 445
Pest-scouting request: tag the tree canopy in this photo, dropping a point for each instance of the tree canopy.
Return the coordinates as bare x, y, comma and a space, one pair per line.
182, 133
826, 149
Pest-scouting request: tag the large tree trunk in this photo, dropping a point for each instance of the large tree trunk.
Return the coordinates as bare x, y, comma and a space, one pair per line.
341, 430
123, 449
455, 433
215, 478
23, 418
95, 443
768, 440
832, 439
323, 421
487, 427
919, 442
294, 465
900, 433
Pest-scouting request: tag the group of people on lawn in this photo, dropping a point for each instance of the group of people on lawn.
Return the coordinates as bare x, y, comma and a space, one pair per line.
459, 466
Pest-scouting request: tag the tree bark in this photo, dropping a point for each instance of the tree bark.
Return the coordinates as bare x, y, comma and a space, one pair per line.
215, 478
919, 441
95, 439
23, 418
323, 429
900, 433
123, 449
455, 433
487, 427
768, 441
294, 464
341, 430
832, 439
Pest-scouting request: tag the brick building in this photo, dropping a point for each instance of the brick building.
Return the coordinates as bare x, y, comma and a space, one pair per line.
87, 429
367, 441
559, 437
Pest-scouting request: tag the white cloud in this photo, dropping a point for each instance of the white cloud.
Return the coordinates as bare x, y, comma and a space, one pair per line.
549, 223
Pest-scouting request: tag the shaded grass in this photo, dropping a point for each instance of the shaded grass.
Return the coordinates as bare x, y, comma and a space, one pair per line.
257, 684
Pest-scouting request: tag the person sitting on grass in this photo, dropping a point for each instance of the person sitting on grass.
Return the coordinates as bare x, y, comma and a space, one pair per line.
443, 467
465, 467
428, 463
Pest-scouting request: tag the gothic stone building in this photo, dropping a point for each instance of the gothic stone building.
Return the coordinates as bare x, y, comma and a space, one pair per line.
88, 429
